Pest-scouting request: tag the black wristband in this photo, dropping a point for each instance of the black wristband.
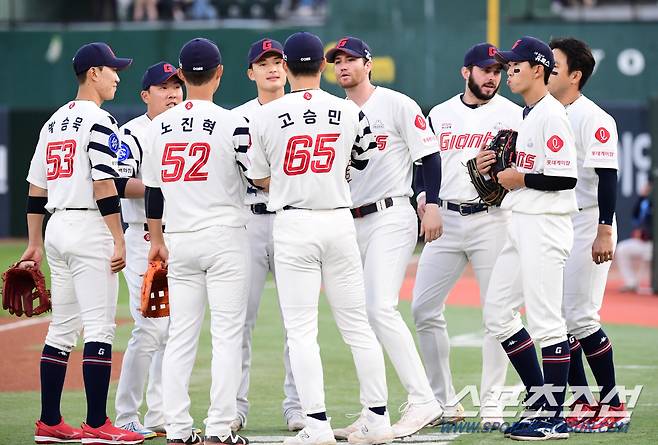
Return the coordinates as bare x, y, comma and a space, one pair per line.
539, 181
36, 204
154, 202
120, 184
109, 206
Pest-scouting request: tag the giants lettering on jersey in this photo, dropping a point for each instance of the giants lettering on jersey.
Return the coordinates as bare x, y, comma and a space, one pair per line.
450, 141
525, 160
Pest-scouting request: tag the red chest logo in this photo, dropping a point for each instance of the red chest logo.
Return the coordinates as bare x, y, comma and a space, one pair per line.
307, 95
147, 237
602, 135
554, 143
188, 106
381, 141
420, 122
71, 105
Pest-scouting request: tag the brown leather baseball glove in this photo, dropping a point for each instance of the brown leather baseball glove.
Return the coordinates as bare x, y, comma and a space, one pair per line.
21, 286
155, 291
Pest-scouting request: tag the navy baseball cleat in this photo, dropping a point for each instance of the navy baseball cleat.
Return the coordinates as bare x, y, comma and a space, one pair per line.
542, 428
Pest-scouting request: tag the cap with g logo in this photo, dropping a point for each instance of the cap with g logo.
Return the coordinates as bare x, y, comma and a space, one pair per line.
157, 74
303, 47
528, 49
199, 55
350, 46
481, 55
263, 47
97, 54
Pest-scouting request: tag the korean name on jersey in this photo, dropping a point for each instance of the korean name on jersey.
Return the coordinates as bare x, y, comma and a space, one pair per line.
195, 153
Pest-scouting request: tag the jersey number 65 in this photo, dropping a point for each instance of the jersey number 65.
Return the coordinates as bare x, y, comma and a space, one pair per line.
298, 157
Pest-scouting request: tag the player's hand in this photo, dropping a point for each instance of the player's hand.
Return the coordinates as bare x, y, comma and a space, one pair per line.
118, 260
484, 160
34, 254
431, 224
511, 179
420, 205
602, 248
158, 252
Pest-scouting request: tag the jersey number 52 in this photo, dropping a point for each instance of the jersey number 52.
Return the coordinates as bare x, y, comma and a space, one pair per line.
299, 157
173, 162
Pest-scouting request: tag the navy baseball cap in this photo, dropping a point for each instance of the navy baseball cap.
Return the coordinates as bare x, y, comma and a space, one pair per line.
528, 49
481, 55
199, 55
303, 47
351, 46
97, 54
157, 74
263, 47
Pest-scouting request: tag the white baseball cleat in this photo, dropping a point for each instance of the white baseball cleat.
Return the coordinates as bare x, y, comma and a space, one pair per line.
344, 433
416, 416
236, 424
451, 414
375, 429
296, 421
316, 432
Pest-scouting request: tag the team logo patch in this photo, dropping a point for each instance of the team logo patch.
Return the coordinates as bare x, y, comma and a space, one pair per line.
491, 51
420, 122
602, 135
267, 44
168, 68
124, 152
307, 95
188, 106
554, 143
71, 105
147, 237
381, 141
113, 143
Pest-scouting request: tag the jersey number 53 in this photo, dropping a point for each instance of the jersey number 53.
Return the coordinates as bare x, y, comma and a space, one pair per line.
299, 157
173, 161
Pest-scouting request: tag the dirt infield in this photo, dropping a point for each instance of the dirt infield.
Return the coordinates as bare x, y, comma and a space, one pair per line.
21, 351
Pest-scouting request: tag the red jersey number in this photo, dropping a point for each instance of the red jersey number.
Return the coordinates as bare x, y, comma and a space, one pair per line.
298, 157
59, 158
173, 161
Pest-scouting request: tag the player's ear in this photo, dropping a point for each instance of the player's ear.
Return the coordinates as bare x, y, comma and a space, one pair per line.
466, 73
250, 74
220, 71
575, 76
145, 96
180, 74
323, 65
285, 68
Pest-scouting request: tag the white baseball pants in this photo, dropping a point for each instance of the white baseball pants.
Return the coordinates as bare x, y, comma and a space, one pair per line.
142, 359
477, 238
532, 260
386, 240
313, 247
84, 290
584, 280
259, 231
207, 266
630, 251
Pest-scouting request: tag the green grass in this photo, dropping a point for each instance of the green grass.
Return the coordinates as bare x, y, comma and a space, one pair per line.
635, 356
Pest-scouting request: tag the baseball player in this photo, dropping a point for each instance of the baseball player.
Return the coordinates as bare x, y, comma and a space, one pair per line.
302, 145
385, 221
595, 236
193, 159
472, 232
72, 177
265, 61
538, 240
161, 90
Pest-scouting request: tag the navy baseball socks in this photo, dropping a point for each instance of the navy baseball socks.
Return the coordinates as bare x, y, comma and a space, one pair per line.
521, 352
96, 369
577, 377
53, 371
598, 350
555, 361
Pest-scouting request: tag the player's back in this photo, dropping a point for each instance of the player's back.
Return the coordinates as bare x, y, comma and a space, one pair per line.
193, 154
76, 145
308, 138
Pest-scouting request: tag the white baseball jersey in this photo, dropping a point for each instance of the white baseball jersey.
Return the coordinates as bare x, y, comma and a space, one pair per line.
195, 153
133, 133
402, 137
596, 142
461, 131
77, 145
545, 144
305, 142
247, 110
